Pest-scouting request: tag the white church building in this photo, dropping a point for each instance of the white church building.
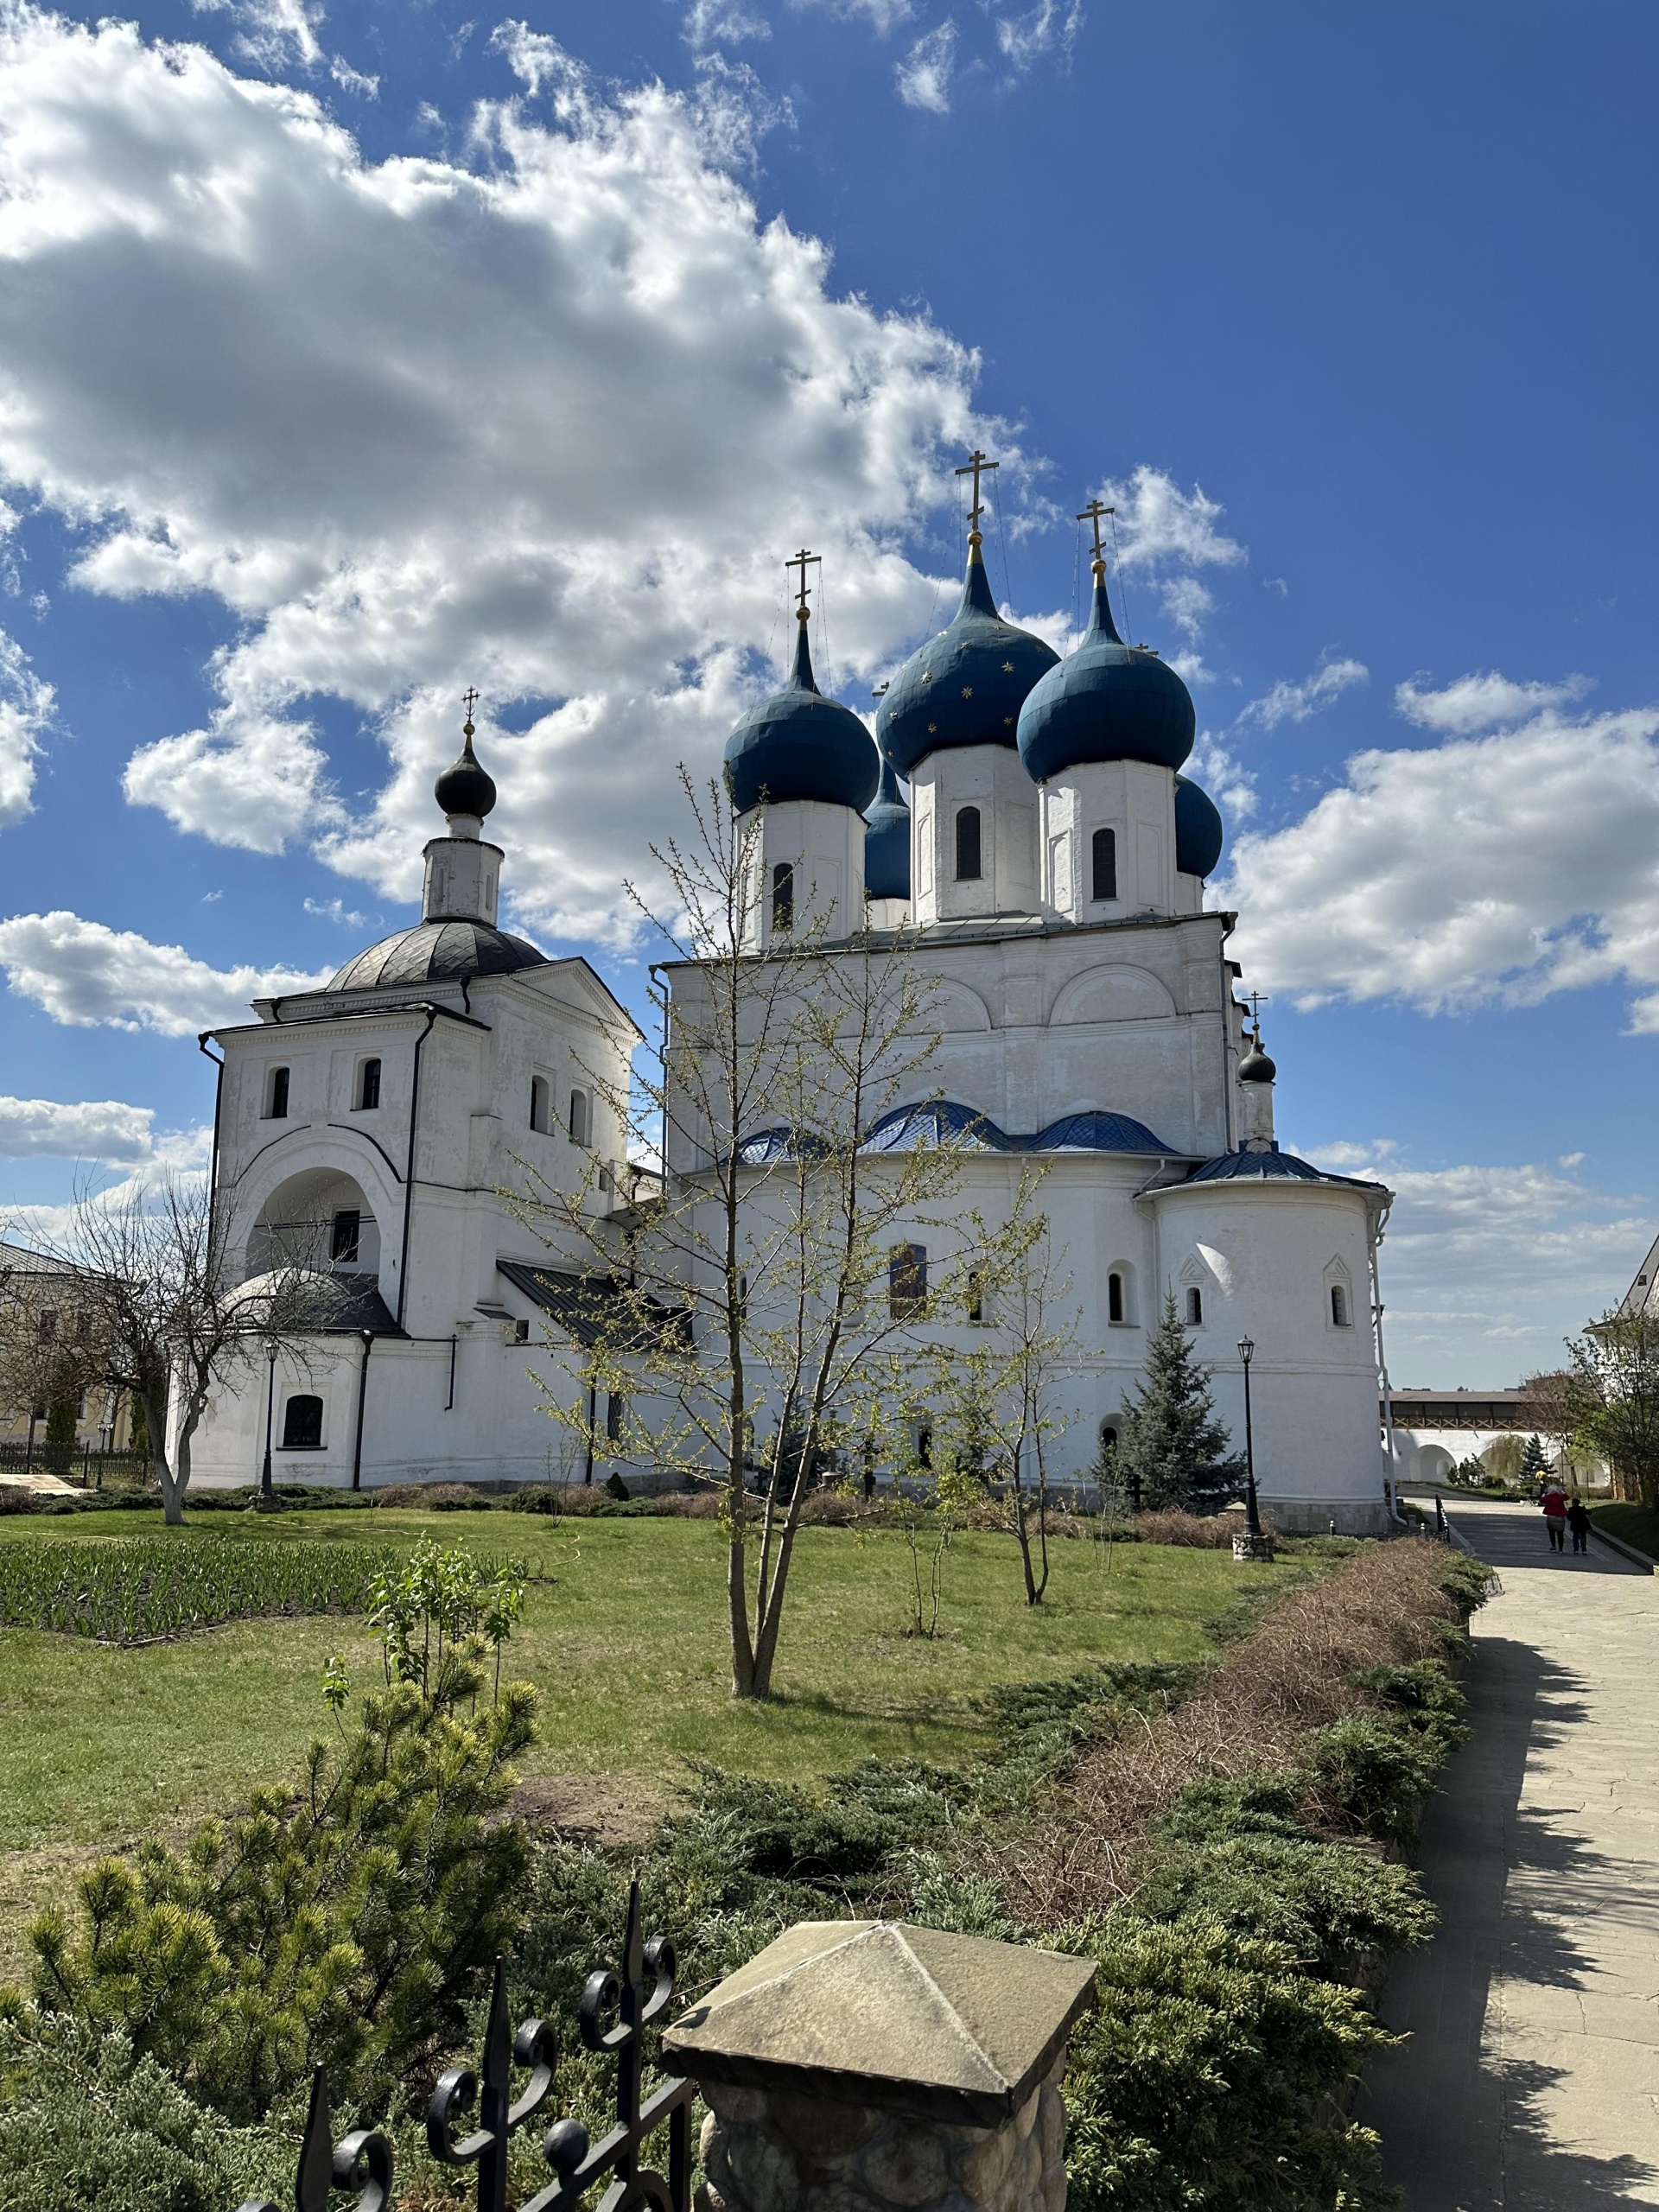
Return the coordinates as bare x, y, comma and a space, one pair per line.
1046, 868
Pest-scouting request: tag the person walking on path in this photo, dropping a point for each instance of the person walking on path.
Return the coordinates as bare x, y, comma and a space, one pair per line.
1556, 1515
1578, 1520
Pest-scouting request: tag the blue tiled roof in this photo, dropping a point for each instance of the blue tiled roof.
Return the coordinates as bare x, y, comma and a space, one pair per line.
1271, 1166
943, 1120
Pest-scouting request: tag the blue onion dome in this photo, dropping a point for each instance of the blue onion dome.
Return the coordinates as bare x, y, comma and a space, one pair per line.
799, 745
967, 686
1198, 830
886, 841
465, 788
1108, 701
1255, 1066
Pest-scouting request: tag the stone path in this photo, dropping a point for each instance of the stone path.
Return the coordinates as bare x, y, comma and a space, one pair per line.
1531, 2080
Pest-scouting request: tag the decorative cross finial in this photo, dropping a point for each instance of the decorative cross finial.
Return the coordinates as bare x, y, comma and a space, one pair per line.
977, 467
1092, 513
1256, 1001
800, 561
470, 697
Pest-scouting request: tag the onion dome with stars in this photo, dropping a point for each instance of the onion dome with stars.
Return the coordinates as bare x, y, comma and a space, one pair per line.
886, 841
798, 745
1198, 831
967, 686
1109, 700
465, 788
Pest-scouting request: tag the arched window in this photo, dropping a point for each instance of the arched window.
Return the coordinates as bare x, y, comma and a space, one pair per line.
1195, 1307
783, 897
924, 1447
346, 1239
975, 1300
1338, 1307
276, 1096
906, 1281
1113, 1298
1108, 1439
967, 844
579, 1127
615, 1405
540, 1104
1103, 854
368, 1086
302, 1425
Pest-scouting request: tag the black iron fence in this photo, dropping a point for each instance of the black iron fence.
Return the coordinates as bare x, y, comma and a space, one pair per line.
85, 1464
617, 2006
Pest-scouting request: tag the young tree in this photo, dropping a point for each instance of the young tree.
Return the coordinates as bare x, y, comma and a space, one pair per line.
1535, 1461
768, 1302
1559, 1406
155, 1313
1617, 1364
1173, 1450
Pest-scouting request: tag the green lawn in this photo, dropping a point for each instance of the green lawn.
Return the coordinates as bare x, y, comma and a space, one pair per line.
1631, 1524
623, 1634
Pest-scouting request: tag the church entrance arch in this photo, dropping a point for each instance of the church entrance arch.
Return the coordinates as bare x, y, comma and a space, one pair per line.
1431, 1463
321, 1218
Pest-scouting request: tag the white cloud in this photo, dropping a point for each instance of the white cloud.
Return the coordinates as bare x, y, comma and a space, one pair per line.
1484, 703
1486, 1268
632, 401
275, 34
26, 705
1166, 534
1223, 776
1296, 703
1047, 28
1497, 868
100, 1128
707, 21
881, 16
335, 910
89, 976
924, 76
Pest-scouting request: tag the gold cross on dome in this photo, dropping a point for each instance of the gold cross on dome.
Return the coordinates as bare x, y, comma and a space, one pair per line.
801, 561
977, 467
470, 699
1092, 513
1256, 1001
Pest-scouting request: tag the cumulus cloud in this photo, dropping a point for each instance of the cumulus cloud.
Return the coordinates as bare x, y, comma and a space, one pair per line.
1223, 776
1164, 535
923, 75
1296, 703
1484, 702
100, 1128
548, 425
1496, 869
26, 706
1486, 1268
90, 976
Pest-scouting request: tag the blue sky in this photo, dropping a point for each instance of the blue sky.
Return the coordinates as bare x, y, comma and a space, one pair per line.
349, 354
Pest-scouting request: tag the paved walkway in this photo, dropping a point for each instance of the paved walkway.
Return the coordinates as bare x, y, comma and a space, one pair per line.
1531, 2080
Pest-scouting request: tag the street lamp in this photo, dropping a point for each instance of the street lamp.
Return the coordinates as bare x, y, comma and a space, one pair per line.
1253, 1544
265, 1490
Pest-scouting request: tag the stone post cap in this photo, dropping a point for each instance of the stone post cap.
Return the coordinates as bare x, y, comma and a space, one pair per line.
875, 2013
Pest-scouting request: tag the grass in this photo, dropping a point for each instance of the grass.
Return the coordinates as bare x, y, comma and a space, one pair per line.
623, 1634
1631, 1524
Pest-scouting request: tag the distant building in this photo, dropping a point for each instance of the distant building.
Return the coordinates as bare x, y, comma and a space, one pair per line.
1434, 1431
38, 1296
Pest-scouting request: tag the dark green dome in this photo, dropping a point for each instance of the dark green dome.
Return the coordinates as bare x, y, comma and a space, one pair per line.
967, 686
1108, 701
1199, 830
886, 841
798, 745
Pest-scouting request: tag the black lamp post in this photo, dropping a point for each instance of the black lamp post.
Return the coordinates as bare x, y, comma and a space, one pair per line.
265, 1489
1252, 1515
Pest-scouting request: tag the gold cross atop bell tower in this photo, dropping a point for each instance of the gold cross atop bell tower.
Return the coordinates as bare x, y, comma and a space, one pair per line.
801, 561
1092, 513
977, 466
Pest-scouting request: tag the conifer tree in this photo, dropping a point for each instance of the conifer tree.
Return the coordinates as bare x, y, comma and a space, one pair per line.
1535, 1465
1173, 1450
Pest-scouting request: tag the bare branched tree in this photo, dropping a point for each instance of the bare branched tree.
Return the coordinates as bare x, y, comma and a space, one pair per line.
157, 1315
764, 1310
1615, 1366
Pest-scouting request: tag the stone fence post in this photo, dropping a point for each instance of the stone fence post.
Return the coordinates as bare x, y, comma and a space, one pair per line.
866, 2066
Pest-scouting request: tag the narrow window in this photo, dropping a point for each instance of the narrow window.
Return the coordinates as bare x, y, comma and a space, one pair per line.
579, 1117
906, 1281
1195, 1308
1105, 853
976, 1296
83, 1328
1108, 1439
347, 1238
783, 897
46, 1327
967, 844
277, 1097
540, 1110
302, 1425
1113, 1298
614, 1404
1338, 1305
368, 1087
924, 1447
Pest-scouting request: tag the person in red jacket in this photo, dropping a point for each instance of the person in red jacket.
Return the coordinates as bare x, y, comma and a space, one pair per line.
1556, 1515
